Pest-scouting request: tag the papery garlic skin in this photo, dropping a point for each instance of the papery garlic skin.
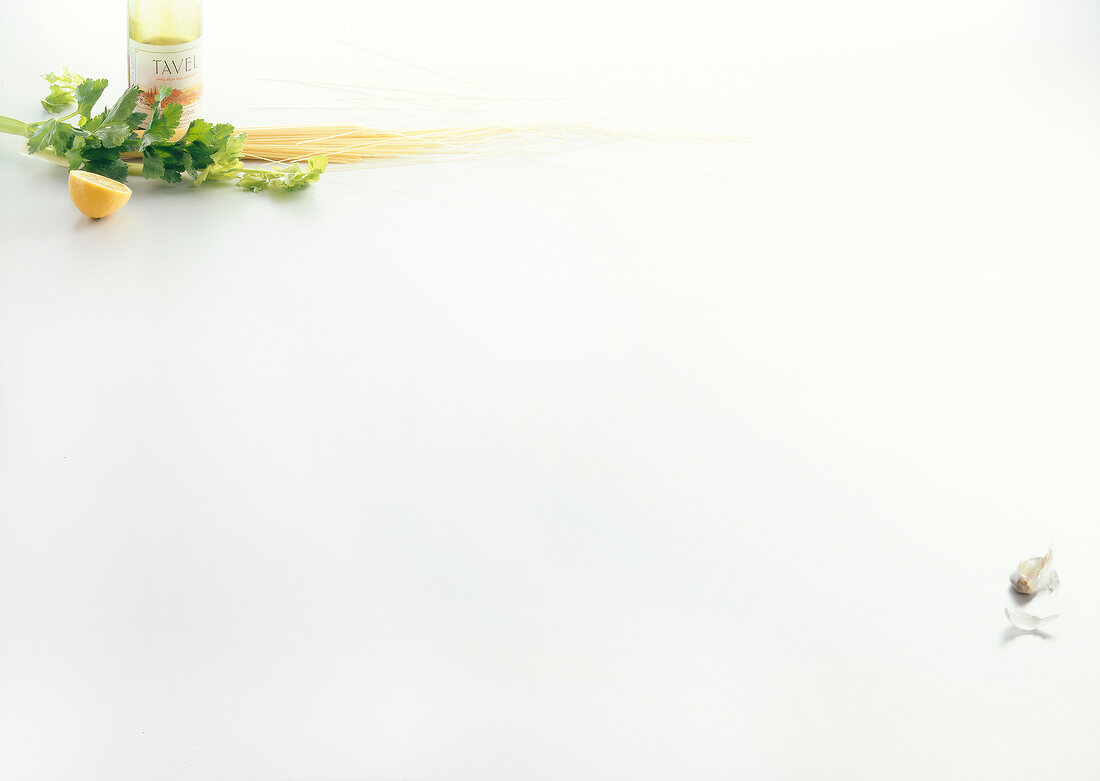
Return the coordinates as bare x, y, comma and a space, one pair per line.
1034, 574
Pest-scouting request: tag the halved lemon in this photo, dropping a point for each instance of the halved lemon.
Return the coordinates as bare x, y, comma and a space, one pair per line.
95, 195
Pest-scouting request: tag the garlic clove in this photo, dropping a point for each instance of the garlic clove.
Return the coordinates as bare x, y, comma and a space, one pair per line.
1021, 583
1021, 619
1034, 574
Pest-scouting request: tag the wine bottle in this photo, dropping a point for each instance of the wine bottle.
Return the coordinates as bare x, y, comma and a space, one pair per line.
165, 38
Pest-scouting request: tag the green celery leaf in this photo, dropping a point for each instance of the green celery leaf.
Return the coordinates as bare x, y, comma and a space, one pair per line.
168, 161
131, 144
61, 90
120, 115
87, 94
93, 124
49, 134
114, 168
225, 162
253, 181
57, 101
199, 142
87, 153
40, 135
98, 154
200, 131
75, 155
187, 163
123, 108
114, 127
113, 134
290, 177
67, 79
152, 166
172, 176
169, 120
163, 120
316, 166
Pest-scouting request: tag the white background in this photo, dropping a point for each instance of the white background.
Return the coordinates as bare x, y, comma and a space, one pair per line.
650, 460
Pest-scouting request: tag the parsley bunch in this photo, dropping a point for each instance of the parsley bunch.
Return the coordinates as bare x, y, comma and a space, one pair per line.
98, 142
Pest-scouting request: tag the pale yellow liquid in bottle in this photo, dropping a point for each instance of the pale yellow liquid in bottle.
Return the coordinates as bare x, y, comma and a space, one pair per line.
165, 22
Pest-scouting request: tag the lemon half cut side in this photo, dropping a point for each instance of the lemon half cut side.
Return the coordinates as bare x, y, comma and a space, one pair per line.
95, 195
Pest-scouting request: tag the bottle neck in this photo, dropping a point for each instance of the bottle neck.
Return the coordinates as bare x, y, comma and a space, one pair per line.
165, 22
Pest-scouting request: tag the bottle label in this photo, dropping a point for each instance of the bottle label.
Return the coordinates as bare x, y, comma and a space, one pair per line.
177, 66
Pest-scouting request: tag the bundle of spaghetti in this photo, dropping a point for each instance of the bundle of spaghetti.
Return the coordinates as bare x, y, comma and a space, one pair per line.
354, 144
357, 144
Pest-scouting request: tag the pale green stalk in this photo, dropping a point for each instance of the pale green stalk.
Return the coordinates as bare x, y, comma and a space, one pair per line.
13, 126
17, 128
